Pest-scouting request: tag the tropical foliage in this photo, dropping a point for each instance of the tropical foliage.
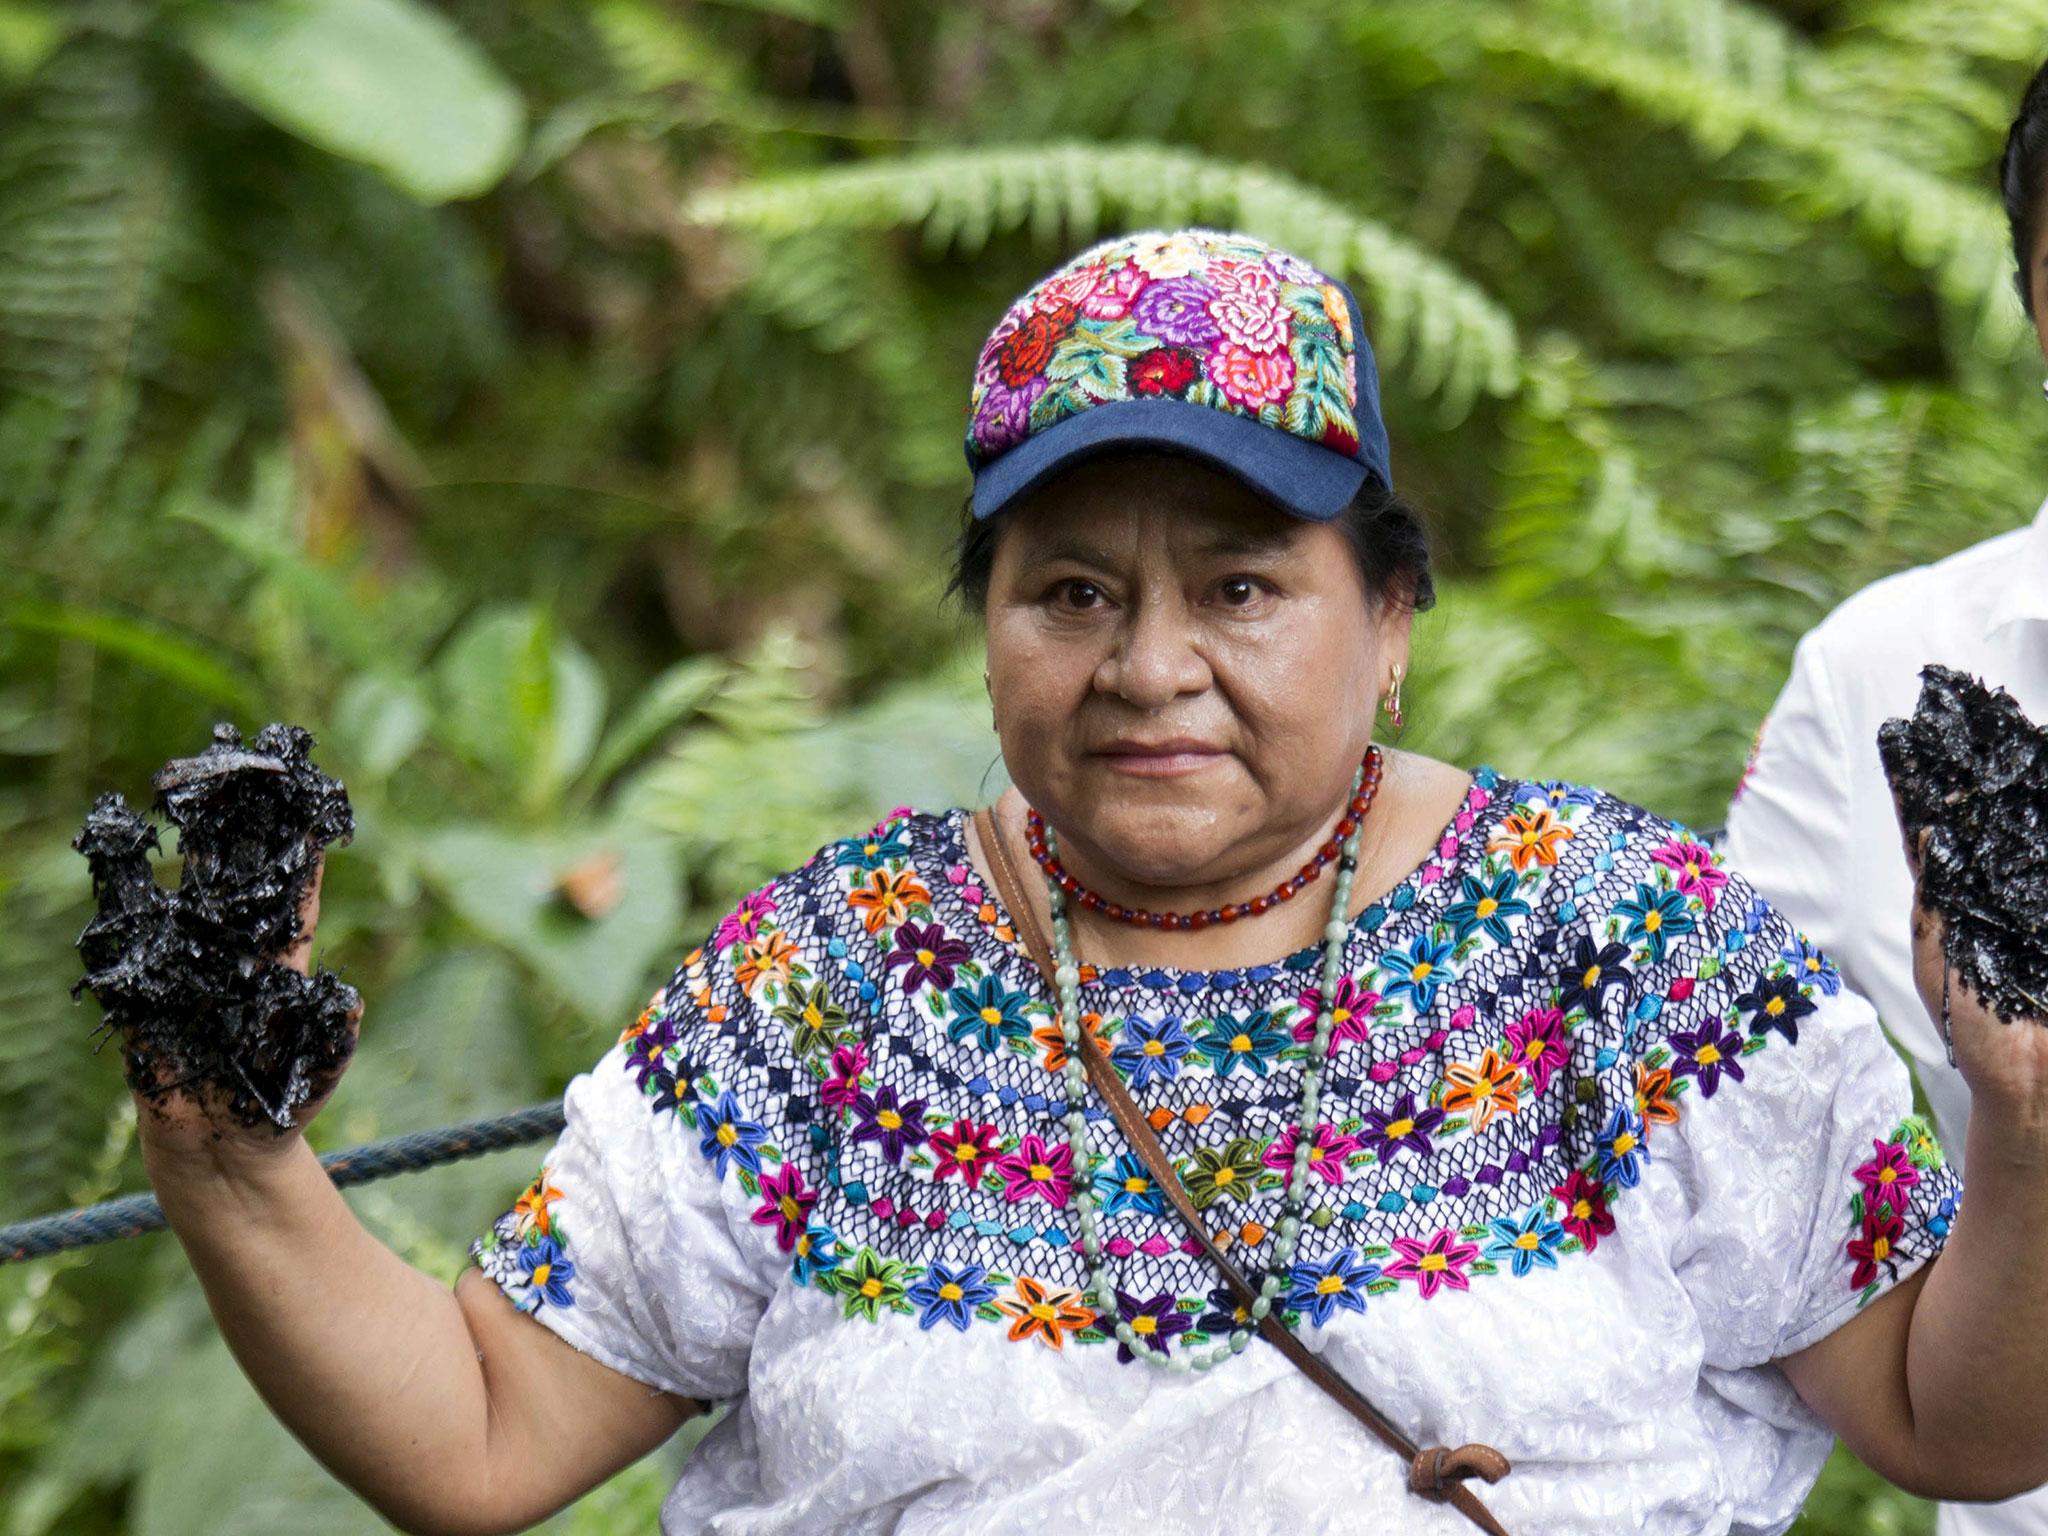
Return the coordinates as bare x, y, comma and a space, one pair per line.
558, 409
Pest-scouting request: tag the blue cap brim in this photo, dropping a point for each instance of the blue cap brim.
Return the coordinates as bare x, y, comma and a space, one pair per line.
1303, 478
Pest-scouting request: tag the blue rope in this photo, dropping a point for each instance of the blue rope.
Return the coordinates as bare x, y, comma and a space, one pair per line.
133, 1215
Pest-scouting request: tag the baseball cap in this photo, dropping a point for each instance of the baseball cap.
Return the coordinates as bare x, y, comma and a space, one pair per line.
1197, 341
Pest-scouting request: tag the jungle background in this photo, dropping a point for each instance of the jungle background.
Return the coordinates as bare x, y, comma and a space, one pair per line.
558, 409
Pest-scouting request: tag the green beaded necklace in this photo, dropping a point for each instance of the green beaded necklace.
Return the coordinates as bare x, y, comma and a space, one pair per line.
1067, 977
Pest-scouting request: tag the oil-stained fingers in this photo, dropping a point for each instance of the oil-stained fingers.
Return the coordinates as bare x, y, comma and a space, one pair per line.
300, 956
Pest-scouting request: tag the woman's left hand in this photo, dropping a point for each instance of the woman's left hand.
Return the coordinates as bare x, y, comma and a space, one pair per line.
2004, 1061
1936, 1384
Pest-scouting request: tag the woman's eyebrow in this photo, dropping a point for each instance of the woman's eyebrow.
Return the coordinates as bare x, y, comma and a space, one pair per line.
1068, 549
1238, 542
1249, 541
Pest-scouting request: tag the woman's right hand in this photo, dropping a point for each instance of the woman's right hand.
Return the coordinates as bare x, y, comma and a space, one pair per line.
462, 1413
194, 1123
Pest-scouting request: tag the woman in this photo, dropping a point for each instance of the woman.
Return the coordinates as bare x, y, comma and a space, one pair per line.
1521, 1110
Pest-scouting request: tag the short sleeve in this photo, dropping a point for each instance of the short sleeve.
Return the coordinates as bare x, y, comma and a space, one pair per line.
1768, 1090
642, 1241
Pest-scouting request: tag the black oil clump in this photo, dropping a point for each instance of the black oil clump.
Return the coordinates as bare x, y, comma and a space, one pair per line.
186, 977
1972, 769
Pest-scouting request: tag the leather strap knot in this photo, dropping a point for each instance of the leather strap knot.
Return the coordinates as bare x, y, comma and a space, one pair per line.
1436, 1469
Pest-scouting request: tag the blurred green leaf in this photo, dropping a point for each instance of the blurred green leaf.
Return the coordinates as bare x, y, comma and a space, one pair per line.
141, 644
172, 1410
522, 700
445, 1044
823, 12
504, 884
313, 595
382, 718
668, 699
213, 1433
110, 1430
442, 1043
391, 83
28, 34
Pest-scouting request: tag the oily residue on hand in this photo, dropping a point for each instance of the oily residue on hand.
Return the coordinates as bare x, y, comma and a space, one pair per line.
1972, 769
188, 978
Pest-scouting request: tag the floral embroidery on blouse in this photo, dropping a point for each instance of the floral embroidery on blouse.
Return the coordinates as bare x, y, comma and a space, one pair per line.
1884, 1215
866, 1052
527, 1250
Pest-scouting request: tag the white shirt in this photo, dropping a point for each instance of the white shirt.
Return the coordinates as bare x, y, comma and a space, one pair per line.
1812, 822
1596, 1147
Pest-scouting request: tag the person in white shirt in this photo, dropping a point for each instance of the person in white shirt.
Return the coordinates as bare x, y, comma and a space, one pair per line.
1812, 821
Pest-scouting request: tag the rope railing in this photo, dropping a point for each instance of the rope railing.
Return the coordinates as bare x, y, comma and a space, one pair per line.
133, 1215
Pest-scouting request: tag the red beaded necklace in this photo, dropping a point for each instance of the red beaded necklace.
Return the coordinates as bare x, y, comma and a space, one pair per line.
1286, 890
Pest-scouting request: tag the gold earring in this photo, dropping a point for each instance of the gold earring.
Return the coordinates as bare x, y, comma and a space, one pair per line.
1393, 700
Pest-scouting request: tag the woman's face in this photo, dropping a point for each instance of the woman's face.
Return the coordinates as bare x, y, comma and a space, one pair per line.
1184, 677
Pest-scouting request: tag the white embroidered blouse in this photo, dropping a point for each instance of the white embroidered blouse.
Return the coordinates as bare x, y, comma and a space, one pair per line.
1603, 1138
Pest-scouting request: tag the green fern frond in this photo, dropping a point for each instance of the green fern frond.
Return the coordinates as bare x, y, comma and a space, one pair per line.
1454, 339
1724, 40
653, 47
1576, 505
1898, 475
1936, 112
850, 298
1943, 227
2001, 31
767, 775
55, 1095
85, 240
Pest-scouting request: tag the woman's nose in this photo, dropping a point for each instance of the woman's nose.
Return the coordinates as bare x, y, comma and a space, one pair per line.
1155, 659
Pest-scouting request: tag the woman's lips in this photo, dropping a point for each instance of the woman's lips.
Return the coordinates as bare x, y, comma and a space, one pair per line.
1160, 759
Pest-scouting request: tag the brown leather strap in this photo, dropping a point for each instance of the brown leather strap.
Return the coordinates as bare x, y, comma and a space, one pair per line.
1436, 1472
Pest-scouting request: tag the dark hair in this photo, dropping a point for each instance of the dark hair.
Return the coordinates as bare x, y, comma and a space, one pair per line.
1386, 535
2021, 171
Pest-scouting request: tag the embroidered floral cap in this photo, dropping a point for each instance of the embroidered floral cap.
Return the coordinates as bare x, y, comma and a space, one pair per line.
1197, 341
